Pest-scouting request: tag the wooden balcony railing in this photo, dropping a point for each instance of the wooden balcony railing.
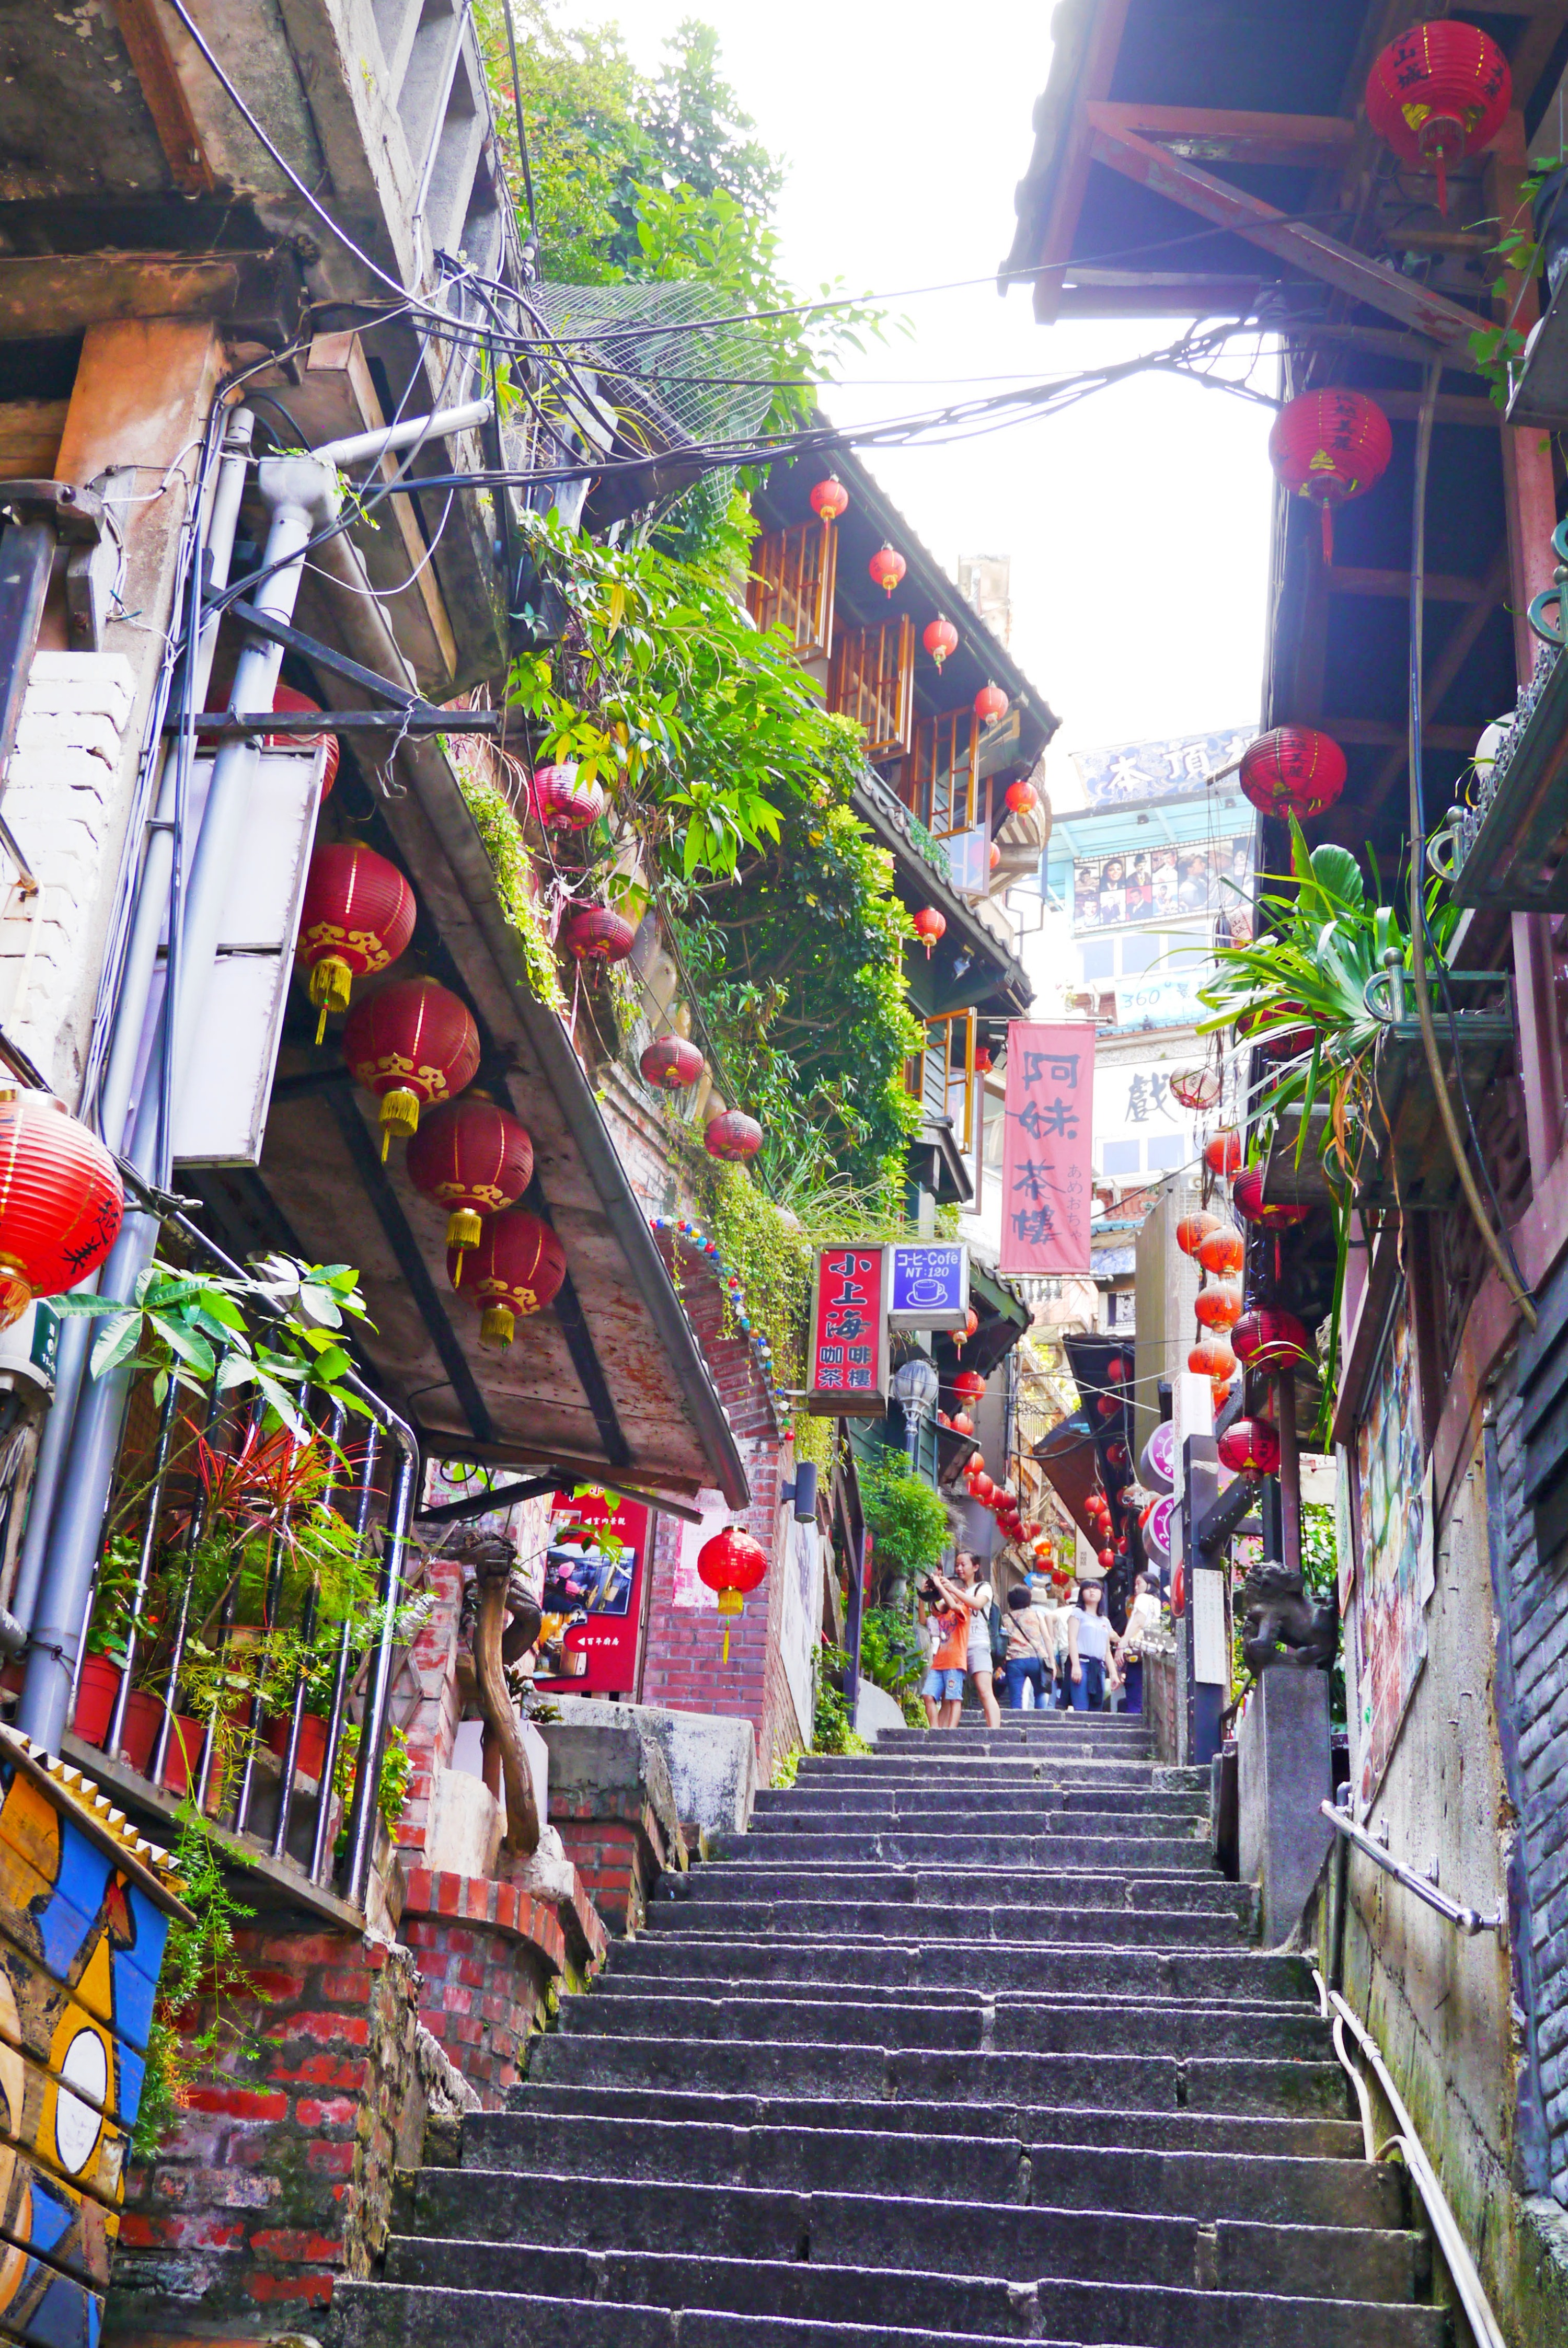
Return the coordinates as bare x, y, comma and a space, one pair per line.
793, 574
942, 774
941, 1076
872, 683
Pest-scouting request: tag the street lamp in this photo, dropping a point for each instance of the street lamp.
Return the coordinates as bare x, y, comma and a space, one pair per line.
916, 1387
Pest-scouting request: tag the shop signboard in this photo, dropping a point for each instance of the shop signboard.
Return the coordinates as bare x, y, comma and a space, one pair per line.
847, 1372
595, 1571
927, 1285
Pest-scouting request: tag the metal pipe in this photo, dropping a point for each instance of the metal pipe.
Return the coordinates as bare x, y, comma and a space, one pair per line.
388, 440
1468, 1920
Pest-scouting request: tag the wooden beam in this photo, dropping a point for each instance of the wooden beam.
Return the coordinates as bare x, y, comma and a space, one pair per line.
1382, 733
1453, 408
1103, 44
1442, 586
1212, 134
142, 30
1442, 675
1443, 322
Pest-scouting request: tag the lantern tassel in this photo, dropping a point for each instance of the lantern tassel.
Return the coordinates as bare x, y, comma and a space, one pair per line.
725, 1655
1442, 184
1327, 512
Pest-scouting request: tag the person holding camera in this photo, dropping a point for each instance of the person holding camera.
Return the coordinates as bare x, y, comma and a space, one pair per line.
945, 1614
982, 1663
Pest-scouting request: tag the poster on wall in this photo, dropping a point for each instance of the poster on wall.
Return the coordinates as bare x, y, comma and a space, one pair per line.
1163, 884
1395, 1576
596, 1567
1048, 1145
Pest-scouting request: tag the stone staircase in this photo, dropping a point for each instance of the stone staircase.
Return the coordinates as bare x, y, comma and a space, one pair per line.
963, 2041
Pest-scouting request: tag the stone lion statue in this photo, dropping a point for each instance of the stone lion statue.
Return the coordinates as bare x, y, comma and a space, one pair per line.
1282, 1624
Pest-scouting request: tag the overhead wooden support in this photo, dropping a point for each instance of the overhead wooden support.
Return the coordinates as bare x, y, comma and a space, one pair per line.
141, 28
1441, 586
1442, 675
1383, 733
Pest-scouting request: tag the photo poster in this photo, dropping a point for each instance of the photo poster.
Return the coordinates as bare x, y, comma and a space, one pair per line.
1395, 1571
1048, 1188
1164, 883
595, 1569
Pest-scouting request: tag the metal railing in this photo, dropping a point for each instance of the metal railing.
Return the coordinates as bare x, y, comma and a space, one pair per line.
238, 1646
1468, 1920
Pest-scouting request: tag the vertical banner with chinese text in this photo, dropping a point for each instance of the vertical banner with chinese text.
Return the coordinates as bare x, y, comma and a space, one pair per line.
1048, 1193
848, 1367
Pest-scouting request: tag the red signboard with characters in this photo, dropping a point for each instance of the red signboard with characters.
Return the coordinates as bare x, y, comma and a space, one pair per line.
1048, 1191
847, 1370
595, 1569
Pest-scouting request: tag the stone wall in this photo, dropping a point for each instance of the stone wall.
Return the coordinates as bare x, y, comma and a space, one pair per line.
490, 1956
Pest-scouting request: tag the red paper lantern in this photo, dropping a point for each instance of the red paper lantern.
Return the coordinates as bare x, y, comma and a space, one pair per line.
1269, 1339
994, 856
1179, 1589
830, 498
286, 701
1221, 1251
732, 1136
991, 704
732, 1563
1108, 1406
1294, 771
564, 799
1250, 1446
983, 1063
941, 638
1222, 1151
976, 1463
1115, 1370
473, 1158
61, 1203
1247, 1198
887, 567
1107, 1558
1219, 1306
1193, 1230
984, 1489
672, 1064
516, 1269
1437, 94
1329, 447
412, 1045
961, 1336
1212, 1358
961, 1424
595, 934
929, 925
358, 917
1022, 798
969, 1384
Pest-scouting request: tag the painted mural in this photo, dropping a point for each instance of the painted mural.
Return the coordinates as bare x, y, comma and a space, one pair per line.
1388, 1644
81, 1942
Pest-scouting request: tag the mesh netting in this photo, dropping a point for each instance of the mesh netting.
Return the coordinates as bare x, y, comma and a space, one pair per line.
670, 358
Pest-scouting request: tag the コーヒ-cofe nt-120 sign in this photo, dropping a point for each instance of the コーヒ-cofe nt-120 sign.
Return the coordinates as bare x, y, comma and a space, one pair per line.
847, 1370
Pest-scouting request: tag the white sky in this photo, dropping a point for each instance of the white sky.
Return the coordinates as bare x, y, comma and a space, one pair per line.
1137, 522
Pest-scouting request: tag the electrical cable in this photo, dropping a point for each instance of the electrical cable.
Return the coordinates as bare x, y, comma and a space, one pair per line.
522, 128
1500, 1255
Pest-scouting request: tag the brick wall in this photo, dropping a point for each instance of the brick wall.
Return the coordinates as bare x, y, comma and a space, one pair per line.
615, 1840
280, 2176
432, 1723
490, 1954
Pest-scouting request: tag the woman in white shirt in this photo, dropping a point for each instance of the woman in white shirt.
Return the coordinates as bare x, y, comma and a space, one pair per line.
982, 1668
1090, 1664
1143, 1617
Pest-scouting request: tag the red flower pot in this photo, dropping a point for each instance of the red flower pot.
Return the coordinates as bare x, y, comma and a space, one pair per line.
96, 1692
139, 1740
311, 1751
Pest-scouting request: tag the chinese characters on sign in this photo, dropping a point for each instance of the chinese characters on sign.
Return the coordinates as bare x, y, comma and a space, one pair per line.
928, 1287
847, 1367
591, 1596
1048, 1115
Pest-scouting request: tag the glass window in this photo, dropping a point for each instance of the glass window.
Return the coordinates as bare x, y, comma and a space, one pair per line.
1166, 1150
1100, 958
1121, 1157
1139, 950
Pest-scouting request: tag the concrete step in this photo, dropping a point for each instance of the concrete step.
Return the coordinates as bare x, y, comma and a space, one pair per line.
1173, 2130
946, 2016
1289, 2086
1058, 1730
741, 1882
1283, 2190
909, 1961
908, 1846
386, 2315
1026, 1799
1012, 1820
934, 1923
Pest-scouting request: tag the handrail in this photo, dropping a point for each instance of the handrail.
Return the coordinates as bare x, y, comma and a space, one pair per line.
1445, 2226
1468, 1920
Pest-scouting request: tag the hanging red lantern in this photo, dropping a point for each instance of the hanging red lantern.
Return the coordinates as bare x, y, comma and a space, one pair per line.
1115, 1370
961, 1336
969, 1386
357, 916
1269, 1339
976, 1464
412, 1045
671, 1064
1221, 1251
732, 1136
732, 1564
830, 498
1116, 1454
1179, 1589
563, 798
941, 638
1329, 447
1294, 771
597, 933
1108, 1406
1247, 1198
1220, 1390
1212, 1358
61, 1201
473, 1158
887, 567
1222, 1151
289, 703
983, 1063
1106, 1559
516, 1269
984, 1489
961, 1424
1022, 798
1437, 93
991, 704
1193, 1230
994, 856
929, 925
1219, 1306
1288, 1043
1195, 1088
1250, 1446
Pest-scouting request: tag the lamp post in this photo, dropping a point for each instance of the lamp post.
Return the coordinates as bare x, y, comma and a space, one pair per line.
916, 1387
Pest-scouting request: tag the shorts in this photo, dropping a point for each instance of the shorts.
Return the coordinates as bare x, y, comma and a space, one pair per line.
943, 1687
980, 1659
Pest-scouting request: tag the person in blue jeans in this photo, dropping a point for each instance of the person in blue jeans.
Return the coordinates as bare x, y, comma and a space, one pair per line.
1091, 1664
1031, 1655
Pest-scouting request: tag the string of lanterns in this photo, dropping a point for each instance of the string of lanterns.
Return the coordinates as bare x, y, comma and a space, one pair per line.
683, 1228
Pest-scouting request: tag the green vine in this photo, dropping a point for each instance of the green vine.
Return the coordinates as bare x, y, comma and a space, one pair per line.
503, 843
196, 2020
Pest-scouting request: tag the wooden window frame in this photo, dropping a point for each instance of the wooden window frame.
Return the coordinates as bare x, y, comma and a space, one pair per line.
917, 1072
794, 574
876, 692
927, 777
